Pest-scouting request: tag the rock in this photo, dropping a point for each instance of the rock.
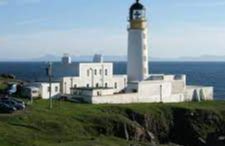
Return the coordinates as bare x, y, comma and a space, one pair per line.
215, 140
126, 132
151, 136
201, 141
140, 134
221, 138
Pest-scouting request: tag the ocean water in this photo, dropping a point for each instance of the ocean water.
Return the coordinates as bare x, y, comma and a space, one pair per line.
198, 73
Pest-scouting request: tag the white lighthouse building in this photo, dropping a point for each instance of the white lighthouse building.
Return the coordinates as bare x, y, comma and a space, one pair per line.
95, 82
137, 68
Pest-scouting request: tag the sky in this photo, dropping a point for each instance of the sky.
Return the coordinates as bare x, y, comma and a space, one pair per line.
34, 28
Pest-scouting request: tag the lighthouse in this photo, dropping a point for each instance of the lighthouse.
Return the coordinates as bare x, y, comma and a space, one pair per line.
137, 67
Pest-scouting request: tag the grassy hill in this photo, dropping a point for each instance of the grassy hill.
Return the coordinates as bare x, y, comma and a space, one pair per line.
69, 124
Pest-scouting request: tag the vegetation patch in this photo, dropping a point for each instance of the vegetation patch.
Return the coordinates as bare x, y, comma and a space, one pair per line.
120, 125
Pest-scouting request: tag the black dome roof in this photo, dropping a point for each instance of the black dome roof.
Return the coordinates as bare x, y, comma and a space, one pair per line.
137, 6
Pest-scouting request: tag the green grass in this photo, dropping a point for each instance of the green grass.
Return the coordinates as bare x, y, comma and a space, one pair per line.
69, 124
3, 86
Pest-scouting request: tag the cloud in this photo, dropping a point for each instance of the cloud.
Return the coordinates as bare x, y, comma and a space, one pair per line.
189, 41
74, 41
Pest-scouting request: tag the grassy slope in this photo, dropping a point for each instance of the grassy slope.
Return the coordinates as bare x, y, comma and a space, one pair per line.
2, 85
71, 124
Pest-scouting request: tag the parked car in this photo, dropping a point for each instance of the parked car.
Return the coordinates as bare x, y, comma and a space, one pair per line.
5, 108
63, 98
18, 101
18, 104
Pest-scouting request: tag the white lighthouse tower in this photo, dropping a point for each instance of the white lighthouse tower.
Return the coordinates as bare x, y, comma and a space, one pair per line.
137, 68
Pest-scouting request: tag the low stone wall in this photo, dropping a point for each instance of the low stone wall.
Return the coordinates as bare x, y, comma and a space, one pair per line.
116, 99
198, 93
192, 93
134, 98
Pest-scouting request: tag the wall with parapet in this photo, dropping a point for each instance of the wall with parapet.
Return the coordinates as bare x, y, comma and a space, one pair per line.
198, 93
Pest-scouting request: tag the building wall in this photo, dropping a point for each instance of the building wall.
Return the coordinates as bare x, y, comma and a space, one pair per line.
198, 93
119, 83
166, 89
132, 87
114, 99
31, 92
93, 75
71, 82
131, 98
45, 90
151, 98
94, 92
137, 67
155, 89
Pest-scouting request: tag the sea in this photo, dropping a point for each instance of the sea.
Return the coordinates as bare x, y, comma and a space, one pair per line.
198, 73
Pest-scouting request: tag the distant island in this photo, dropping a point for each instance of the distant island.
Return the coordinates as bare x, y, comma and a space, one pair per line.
55, 58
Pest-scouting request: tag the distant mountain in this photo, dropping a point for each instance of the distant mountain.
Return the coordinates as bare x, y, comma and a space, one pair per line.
203, 58
54, 58
47, 57
78, 58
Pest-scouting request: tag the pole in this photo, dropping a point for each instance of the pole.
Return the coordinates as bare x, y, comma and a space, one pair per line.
49, 72
50, 92
71, 89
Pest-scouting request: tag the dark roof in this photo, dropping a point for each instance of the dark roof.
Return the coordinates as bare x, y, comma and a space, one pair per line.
137, 6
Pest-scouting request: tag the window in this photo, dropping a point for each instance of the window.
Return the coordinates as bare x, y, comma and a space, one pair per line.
98, 93
134, 91
145, 70
145, 58
95, 71
115, 85
106, 85
145, 47
88, 73
100, 72
34, 92
106, 72
97, 85
56, 89
88, 85
75, 86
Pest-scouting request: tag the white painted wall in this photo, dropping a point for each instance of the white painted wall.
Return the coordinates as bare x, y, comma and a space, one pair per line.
131, 98
88, 78
155, 91
120, 81
203, 93
114, 99
137, 67
92, 92
155, 88
45, 91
